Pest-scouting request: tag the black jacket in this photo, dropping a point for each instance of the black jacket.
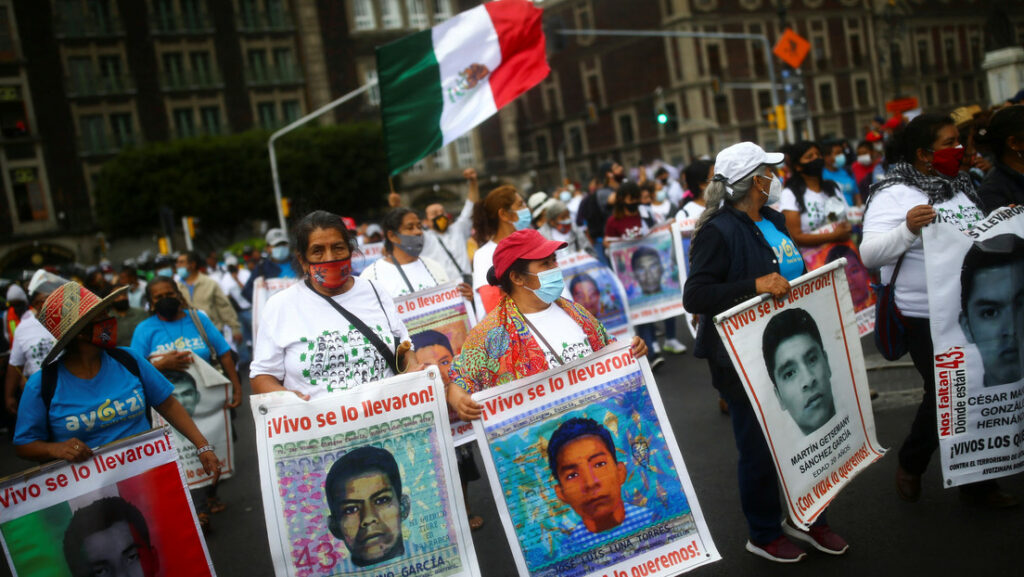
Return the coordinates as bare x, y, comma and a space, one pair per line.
726, 257
1002, 186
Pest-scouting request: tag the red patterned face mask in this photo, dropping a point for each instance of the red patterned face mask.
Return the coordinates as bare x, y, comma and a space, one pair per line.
331, 274
947, 161
104, 333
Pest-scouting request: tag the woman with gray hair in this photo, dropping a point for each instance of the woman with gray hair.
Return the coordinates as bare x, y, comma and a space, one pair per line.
558, 226
741, 248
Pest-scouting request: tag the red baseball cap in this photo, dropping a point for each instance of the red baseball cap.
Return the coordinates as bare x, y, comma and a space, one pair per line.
528, 244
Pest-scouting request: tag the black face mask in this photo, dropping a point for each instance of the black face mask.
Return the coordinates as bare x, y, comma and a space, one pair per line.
167, 307
121, 305
813, 168
632, 207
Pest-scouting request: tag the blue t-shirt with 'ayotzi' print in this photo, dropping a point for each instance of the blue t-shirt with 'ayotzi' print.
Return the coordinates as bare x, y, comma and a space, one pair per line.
791, 263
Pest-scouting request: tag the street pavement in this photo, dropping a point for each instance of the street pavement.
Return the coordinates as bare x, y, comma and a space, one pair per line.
886, 536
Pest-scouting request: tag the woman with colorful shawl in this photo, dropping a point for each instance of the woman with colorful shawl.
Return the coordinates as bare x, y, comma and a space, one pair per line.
530, 330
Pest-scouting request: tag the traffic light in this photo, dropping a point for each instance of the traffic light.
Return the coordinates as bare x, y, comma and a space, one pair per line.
662, 116
163, 245
780, 117
286, 206
190, 226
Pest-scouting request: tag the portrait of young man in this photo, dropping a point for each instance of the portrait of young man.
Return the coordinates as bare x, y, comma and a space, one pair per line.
798, 367
647, 269
109, 537
364, 495
589, 478
992, 306
433, 348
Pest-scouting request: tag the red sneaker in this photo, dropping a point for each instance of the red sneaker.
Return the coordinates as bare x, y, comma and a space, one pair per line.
781, 550
821, 537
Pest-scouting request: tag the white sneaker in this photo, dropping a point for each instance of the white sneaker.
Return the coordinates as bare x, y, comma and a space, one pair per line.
656, 348
674, 346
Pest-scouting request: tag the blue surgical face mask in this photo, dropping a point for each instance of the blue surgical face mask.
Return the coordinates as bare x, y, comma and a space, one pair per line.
280, 253
525, 219
565, 196
182, 272
551, 285
840, 160
660, 195
166, 271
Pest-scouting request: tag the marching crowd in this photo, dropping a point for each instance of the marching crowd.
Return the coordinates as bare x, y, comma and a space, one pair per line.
102, 332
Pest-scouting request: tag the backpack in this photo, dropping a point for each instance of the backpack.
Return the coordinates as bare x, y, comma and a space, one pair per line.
49, 385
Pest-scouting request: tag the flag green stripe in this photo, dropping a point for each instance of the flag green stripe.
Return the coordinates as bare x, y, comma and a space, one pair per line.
410, 98
35, 542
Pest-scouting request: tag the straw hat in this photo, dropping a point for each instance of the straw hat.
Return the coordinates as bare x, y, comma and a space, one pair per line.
69, 309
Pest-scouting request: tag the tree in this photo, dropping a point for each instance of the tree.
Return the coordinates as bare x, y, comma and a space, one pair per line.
225, 181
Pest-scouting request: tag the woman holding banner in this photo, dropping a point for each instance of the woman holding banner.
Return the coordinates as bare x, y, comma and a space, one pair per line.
317, 337
740, 249
403, 271
501, 213
530, 330
92, 378
927, 180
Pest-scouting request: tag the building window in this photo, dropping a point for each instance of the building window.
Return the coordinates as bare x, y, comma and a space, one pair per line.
210, 117
714, 59
442, 159
174, 69
584, 21
975, 48
825, 97
267, 115
94, 136
949, 51
862, 91
957, 95
8, 50
929, 95
291, 111
13, 118
442, 10
542, 148
856, 50
258, 65
672, 126
390, 14
722, 115
29, 199
121, 128
464, 151
923, 59
202, 72
417, 13
284, 64
576, 140
362, 12
184, 124
373, 94
626, 133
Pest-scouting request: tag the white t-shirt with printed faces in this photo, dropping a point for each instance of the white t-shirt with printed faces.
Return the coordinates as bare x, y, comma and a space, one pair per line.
385, 275
818, 208
561, 332
32, 342
887, 210
309, 346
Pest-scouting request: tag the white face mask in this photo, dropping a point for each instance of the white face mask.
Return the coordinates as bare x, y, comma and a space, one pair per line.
864, 159
774, 190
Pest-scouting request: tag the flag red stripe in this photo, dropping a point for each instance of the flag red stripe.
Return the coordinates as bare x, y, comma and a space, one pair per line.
523, 59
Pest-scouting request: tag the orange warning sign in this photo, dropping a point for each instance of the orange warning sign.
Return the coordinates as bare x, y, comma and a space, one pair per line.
792, 48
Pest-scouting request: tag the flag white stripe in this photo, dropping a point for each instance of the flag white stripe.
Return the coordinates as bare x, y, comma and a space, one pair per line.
468, 38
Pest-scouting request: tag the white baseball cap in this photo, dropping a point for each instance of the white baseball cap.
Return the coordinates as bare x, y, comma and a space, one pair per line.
276, 236
740, 160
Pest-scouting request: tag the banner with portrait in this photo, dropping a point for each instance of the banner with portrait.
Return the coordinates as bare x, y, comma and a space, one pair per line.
684, 232
802, 367
596, 287
586, 472
262, 290
125, 506
648, 268
976, 307
363, 482
857, 275
438, 320
367, 254
203, 391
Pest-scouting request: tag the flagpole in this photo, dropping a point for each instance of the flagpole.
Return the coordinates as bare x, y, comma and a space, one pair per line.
304, 120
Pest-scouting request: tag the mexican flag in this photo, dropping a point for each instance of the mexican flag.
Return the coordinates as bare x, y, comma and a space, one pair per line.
438, 84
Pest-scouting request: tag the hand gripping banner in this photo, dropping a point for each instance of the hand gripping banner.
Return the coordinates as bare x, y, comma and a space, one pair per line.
126, 506
363, 482
976, 307
802, 367
587, 475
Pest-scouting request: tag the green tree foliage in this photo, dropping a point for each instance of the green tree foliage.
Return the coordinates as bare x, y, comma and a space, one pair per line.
225, 181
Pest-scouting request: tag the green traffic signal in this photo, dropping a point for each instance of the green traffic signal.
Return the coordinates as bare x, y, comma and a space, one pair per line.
662, 118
